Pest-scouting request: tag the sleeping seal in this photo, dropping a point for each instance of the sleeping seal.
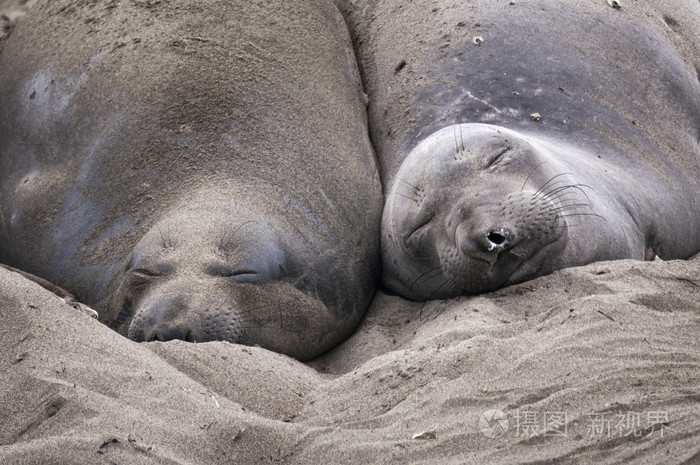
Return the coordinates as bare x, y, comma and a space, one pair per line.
518, 138
192, 170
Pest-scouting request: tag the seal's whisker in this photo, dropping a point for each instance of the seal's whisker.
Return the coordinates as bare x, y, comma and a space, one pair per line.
447, 281
226, 240
404, 181
452, 287
568, 225
166, 238
559, 194
569, 208
434, 271
240, 243
571, 201
561, 198
581, 185
555, 190
454, 132
582, 214
407, 197
572, 206
161, 234
531, 173
554, 187
542, 188
578, 187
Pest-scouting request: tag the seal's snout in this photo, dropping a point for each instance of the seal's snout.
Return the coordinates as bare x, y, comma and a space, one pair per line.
493, 240
165, 319
167, 322
170, 317
483, 243
171, 331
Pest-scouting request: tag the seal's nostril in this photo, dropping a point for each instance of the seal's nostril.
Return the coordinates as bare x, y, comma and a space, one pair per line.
496, 238
170, 330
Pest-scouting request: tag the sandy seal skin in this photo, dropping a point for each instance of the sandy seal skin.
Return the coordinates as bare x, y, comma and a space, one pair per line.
192, 170
517, 139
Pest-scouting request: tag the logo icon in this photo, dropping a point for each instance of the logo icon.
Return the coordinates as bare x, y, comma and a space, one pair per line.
493, 423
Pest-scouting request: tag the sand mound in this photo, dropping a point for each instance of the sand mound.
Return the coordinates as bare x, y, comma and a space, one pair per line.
598, 364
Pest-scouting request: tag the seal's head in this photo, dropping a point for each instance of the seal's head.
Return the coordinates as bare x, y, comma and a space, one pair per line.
474, 207
221, 275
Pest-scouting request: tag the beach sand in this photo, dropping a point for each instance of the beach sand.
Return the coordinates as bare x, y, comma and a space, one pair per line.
597, 364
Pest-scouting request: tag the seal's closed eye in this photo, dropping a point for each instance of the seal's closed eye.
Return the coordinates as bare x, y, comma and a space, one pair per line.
147, 269
415, 241
140, 277
237, 273
496, 158
146, 272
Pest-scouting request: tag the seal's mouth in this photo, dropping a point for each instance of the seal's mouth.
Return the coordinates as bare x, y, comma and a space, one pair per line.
516, 275
490, 261
530, 266
488, 272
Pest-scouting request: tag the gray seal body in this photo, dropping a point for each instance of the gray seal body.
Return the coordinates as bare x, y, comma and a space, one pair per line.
517, 139
193, 170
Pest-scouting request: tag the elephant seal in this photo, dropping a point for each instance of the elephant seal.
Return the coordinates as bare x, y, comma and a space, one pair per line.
518, 138
192, 170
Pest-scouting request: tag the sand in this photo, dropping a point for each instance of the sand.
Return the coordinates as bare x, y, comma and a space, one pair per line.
597, 364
